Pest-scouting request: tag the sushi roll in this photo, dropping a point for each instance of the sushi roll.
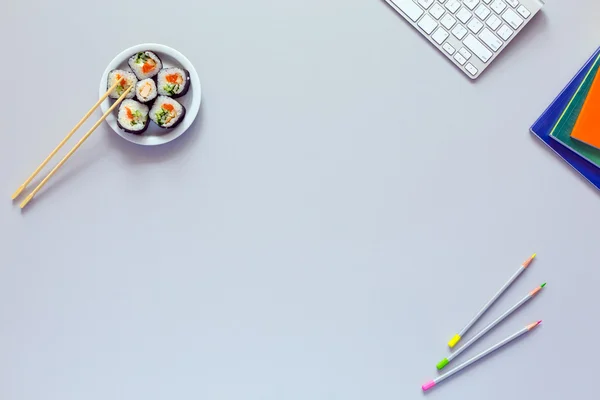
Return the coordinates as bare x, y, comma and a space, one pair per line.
145, 64
133, 116
125, 79
173, 82
167, 112
145, 90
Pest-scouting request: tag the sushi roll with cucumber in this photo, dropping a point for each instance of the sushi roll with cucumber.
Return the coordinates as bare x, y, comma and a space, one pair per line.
145, 90
124, 79
167, 112
173, 82
145, 64
133, 116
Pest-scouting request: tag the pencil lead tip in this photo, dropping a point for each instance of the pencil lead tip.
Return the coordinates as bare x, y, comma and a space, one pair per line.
526, 263
543, 284
533, 325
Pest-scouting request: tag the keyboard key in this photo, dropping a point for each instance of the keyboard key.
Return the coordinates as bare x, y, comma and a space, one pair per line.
482, 12
523, 11
475, 25
493, 22
461, 60
410, 8
453, 5
449, 49
463, 15
512, 3
459, 31
465, 53
427, 23
471, 68
512, 18
426, 3
440, 35
498, 6
437, 11
471, 3
473, 44
505, 32
448, 21
490, 39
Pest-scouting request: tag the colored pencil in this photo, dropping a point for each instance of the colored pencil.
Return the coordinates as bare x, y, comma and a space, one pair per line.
478, 357
513, 278
491, 326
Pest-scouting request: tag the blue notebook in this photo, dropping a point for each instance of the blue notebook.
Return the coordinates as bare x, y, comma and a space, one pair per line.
544, 125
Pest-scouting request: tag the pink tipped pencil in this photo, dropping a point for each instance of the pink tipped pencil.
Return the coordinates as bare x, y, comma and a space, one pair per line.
478, 357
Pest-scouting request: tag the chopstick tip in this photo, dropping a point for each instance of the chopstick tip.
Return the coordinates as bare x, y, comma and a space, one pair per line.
26, 201
18, 192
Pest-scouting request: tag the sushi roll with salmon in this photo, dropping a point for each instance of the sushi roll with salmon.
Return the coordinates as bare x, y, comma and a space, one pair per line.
145, 90
133, 116
167, 112
124, 79
145, 64
173, 82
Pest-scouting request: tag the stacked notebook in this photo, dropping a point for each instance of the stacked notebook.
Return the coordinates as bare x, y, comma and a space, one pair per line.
571, 124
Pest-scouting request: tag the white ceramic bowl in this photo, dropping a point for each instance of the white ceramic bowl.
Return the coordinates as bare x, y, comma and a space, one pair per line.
155, 135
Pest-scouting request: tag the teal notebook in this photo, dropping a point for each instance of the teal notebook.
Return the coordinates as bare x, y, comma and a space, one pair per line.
563, 128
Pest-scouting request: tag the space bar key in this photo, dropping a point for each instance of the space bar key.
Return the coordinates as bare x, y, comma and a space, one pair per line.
478, 48
410, 8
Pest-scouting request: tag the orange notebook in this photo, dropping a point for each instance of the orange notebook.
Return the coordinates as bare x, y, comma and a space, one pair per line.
587, 128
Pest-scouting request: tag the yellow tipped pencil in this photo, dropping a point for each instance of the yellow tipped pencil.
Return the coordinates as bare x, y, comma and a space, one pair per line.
487, 305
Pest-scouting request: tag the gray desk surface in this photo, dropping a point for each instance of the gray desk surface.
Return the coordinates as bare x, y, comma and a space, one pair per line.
344, 204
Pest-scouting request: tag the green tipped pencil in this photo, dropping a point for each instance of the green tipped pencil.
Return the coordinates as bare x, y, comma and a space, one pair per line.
491, 326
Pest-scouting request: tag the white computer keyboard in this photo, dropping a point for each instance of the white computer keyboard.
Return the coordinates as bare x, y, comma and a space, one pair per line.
471, 33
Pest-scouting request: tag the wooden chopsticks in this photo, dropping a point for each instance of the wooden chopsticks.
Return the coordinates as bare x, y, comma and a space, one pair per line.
61, 144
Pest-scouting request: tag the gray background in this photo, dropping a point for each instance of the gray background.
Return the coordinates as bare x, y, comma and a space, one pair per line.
345, 202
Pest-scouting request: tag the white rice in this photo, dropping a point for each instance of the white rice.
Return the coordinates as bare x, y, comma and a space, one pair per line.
140, 122
118, 91
136, 63
166, 88
141, 85
159, 115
